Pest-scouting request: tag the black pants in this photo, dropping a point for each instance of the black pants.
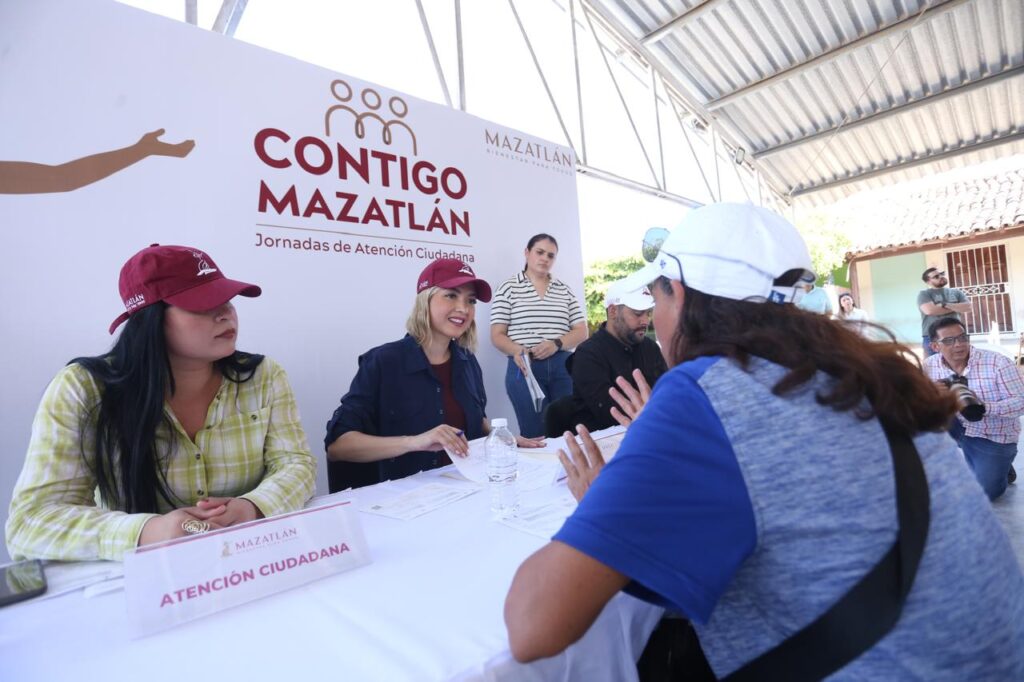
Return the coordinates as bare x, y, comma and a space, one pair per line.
673, 654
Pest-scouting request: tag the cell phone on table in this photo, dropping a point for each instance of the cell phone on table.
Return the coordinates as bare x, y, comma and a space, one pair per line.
21, 580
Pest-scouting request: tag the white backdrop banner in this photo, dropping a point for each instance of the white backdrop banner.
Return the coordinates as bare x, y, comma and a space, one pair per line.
121, 129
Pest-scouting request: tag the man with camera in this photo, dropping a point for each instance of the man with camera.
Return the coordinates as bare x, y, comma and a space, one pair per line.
991, 394
938, 302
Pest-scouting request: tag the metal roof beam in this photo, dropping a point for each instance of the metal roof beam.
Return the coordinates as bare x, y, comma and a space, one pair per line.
433, 53
462, 60
228, 17
592, 172
689, 15
622, 98
543, 80
725, 129
929, 158
746, 90
961, 89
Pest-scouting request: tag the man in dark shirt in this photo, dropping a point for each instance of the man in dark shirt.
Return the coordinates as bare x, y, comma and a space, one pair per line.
618, 347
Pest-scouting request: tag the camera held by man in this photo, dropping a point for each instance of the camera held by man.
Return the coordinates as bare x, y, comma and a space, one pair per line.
971, 407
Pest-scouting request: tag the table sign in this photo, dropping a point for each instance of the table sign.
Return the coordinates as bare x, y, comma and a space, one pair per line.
184, 579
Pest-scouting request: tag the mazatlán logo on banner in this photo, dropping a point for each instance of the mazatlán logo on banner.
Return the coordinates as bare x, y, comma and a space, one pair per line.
519, 149
367, 158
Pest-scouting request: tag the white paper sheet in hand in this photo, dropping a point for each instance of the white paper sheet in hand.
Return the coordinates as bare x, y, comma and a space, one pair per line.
536, 392
419, 501
474, 465
532, 473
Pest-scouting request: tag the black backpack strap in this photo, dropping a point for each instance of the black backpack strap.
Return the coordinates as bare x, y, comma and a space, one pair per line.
871, 608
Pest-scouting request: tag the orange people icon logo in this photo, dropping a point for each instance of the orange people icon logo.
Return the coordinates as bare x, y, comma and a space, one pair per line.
372, 101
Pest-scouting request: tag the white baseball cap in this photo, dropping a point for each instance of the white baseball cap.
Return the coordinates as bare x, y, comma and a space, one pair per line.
619, 294
735, 251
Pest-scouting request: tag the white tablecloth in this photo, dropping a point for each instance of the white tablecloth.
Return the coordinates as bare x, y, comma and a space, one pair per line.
429, 607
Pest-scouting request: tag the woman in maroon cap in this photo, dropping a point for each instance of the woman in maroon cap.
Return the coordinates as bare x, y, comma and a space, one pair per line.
172, 432
414, 398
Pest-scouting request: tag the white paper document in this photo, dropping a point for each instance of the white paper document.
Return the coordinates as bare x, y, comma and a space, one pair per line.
419, 501
536, 392
542, 521
607, 440
533, 474
473, 466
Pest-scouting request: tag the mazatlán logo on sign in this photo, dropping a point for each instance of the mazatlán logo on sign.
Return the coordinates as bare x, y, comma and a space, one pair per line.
368, 174
520, 149
258, 541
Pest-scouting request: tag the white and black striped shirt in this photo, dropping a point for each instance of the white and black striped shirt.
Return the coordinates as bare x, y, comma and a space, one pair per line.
530, 318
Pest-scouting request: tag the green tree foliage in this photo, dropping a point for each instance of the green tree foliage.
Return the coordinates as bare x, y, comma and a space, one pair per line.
826, 244
596, 278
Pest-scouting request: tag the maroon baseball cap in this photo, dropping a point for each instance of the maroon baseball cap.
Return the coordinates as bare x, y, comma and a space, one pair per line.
179, 275
450, 273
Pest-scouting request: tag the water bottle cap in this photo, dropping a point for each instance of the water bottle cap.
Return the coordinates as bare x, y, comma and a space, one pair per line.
499, 422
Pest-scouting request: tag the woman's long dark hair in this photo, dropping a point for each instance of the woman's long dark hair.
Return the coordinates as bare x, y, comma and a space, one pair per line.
805, 343
135, 377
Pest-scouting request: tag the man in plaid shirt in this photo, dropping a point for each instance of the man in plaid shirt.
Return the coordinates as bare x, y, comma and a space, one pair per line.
991, 443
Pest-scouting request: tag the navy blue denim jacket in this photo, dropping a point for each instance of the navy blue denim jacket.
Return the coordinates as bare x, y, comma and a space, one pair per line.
395, 393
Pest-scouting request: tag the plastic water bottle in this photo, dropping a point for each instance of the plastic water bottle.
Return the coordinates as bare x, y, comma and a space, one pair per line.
502, 469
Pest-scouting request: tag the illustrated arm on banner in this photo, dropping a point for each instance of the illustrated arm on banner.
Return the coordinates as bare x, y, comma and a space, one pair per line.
290, 477
26, 177
351, 433
53, 511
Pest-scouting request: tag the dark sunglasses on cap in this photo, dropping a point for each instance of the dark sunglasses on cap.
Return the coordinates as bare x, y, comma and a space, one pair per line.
937, 274
783, 289
654, 238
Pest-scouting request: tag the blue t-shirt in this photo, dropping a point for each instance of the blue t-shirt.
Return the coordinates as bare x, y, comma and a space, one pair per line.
678, 454
753, 513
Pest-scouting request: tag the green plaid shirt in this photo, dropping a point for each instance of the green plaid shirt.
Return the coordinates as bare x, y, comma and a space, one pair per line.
252, 445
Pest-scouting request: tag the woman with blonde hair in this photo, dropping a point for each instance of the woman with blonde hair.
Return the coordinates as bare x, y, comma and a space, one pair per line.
413, 399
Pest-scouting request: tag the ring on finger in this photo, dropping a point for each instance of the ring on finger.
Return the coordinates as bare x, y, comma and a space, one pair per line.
195, 526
